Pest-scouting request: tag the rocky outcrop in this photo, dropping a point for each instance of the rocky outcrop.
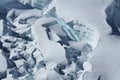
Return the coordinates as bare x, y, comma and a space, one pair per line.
113, 16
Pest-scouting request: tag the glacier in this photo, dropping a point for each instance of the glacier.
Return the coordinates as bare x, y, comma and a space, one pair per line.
57, 45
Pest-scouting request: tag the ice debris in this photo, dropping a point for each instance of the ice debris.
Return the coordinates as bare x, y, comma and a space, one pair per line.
45, 47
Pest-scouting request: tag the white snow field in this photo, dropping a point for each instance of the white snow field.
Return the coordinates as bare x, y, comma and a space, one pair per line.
106, 60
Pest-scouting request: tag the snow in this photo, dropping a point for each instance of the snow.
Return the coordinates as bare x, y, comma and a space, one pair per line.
77, 45
1, 27
104, 57
53, 53
48, 47
3, 63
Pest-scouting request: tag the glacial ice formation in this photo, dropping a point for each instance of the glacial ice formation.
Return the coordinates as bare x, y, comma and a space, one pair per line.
40, 4
43, 46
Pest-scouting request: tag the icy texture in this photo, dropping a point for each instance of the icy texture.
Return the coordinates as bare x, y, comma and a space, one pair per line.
42, 46
3, 62
40, 4
77, 31
1, 27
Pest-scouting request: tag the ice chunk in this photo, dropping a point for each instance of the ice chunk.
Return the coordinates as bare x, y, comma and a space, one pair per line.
40, 4
87, 34
44, 57
3, 62
29, 77
78, 32
19, 63
70, 69
87, 66
22, 19
46, 46
68, 30
77, 45
1, 27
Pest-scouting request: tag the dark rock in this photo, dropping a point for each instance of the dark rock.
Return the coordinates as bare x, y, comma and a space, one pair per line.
113, 16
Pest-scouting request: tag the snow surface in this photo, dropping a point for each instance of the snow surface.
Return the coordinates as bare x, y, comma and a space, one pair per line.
3, 63
54, 54
48, 47
105, 57
1, 27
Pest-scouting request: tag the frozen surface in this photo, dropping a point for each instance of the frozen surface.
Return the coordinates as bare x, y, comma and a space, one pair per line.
1, 27
3, 63
51, 43
105, 59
